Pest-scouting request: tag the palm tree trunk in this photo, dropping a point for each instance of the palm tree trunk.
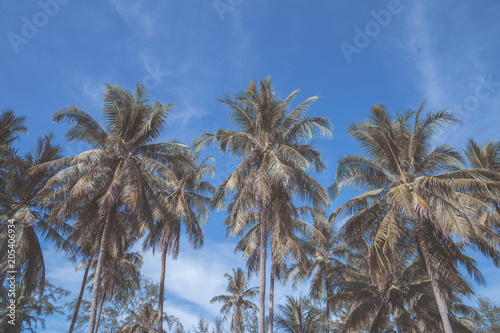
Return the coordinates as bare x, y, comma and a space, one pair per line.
263, 254
237, 321
100, 311
82, 290
441, 303
97, 278
271, 294
162, 284
327, 314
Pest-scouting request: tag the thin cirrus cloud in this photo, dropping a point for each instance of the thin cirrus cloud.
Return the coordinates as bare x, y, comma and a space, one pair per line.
140, 15
452, 68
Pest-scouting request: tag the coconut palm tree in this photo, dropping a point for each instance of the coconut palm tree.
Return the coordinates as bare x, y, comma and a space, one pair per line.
485, 159
146, 320
120, 276
403, 302
413, 189
237, 300
298, 316
18, 201
325, 262
282, 235
272, 142
183, 202
86, 265
10, 127
84, 236
124, 170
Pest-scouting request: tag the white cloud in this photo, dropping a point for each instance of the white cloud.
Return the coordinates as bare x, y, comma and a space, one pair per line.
194, 278
138, 14
450, 61
244, 59
198, 275
93, 92
185, 109
85, 90
185, 314
61, 272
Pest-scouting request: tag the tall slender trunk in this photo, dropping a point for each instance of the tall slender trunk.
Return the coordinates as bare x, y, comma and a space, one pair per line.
100, 311
82, 290
271, 294
162, 284
237, 320
97, 278
327, 314
441, 303
263, 254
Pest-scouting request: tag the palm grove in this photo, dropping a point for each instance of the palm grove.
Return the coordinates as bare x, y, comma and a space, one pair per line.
394, 258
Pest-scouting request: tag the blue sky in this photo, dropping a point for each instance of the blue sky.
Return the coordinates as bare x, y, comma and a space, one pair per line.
352, 53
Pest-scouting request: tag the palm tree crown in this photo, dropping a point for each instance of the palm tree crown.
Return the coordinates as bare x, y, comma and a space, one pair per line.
10, 126
182, 202
237, 300
272, 142
124, 170
416, 194
298, 316
18, 201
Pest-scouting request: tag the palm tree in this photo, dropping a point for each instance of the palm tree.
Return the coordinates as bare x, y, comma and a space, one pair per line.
144, 321
141, 307
83, 238
85, 265
183, 202
485, 159
403, 302
324, 264
271, 140
18, 201
10, 127
298, 316
284, 242
413, 189
237, 298
123, 170
120, 276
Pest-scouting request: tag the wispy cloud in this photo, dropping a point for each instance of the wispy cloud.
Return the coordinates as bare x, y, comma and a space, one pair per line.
450, 62
85, 90
196, 276
138, 14
244, 59
420, 44
61, 272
